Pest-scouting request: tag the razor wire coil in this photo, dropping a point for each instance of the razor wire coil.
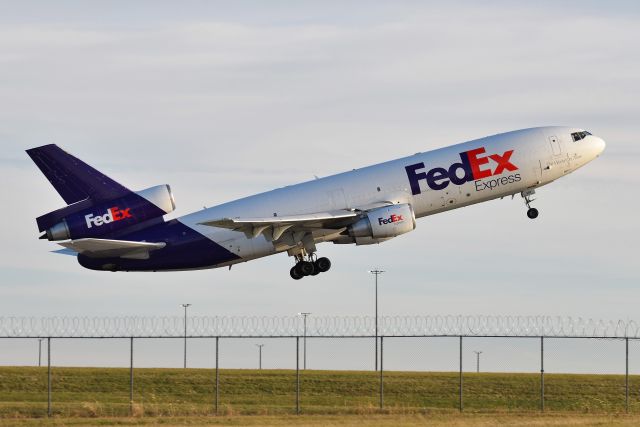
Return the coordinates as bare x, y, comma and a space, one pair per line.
317, 326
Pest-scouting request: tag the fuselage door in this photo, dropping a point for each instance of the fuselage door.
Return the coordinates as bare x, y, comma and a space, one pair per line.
556, 149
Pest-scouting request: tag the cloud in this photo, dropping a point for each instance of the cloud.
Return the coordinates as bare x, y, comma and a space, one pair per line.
221, 102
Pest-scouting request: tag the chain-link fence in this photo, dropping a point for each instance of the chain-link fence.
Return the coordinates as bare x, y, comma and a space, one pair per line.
273, 367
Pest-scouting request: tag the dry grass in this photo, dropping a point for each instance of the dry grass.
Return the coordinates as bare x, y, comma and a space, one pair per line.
84, 396
426, 419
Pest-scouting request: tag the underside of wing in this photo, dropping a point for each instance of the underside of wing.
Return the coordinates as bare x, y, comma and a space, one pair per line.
274, 227
105, 248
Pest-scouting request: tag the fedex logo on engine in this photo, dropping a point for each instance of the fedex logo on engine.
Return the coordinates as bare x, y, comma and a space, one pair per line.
112, 214
474, 166
393, 218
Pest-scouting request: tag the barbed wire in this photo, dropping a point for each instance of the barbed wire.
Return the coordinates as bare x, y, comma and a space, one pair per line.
317, 326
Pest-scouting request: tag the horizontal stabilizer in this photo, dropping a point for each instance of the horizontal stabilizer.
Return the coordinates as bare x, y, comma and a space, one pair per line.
105, 248
65, 251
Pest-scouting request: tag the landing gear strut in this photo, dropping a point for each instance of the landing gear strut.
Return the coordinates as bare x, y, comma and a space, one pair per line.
309, 266
532, 213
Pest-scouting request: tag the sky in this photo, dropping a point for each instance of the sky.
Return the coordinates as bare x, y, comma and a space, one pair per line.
226, 99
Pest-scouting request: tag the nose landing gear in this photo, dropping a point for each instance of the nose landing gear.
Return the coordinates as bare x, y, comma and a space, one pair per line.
532, 213
309, 267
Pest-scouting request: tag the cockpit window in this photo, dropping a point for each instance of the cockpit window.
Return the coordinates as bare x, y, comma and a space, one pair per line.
577, 136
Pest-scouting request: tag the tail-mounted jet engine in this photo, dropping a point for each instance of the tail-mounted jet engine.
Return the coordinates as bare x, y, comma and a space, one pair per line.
107, 217
381, 224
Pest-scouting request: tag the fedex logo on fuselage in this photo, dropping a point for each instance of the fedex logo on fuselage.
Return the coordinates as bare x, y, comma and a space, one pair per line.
393, 218
473, 164
112, 214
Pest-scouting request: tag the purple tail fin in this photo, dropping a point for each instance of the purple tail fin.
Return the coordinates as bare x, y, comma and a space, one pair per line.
80, 185
72, 178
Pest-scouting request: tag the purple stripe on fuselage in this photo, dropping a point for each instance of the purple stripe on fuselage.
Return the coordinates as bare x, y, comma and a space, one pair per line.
186, 249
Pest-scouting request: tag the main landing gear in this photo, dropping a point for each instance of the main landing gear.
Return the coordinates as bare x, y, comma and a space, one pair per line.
309, 267
532, 213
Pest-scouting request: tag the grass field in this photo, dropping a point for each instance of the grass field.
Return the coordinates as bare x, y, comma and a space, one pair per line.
389, 420
79, 393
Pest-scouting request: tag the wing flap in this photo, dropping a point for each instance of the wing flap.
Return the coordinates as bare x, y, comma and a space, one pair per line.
106, 248
280, 220
274, 227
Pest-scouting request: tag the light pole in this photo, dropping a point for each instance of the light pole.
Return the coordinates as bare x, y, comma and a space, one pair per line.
185, 332
40, 351
478, 353
377, 272
260, 355
304, 341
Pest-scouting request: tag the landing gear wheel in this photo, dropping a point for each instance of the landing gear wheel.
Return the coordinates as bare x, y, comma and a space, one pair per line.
323, 264
312, 266
304, 268
532, 213
294, 273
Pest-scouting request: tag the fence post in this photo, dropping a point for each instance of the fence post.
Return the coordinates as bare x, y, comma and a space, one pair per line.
49, 377
541, 374
460, 380
217, 374
626, 376
131, 376
297, 375
381, 373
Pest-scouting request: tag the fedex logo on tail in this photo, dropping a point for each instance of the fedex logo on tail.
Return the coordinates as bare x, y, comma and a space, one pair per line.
474, 166
112, 214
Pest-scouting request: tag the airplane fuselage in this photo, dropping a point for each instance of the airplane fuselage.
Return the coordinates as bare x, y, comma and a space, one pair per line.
431, 182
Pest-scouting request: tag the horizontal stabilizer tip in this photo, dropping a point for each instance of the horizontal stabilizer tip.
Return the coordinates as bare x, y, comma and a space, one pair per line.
105, 248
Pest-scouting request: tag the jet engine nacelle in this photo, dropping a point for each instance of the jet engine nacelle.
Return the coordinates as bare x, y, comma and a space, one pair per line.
107, 217
383, 223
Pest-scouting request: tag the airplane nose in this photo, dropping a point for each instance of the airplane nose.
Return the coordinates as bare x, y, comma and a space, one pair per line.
599, 145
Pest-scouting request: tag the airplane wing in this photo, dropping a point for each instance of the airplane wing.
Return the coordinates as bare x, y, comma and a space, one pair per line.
274, 227
105, 248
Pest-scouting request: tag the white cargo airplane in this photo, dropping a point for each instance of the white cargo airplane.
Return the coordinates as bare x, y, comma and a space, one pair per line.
113, 228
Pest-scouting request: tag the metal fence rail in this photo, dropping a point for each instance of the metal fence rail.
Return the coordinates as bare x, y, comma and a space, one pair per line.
317, 326
297, 407
137, 329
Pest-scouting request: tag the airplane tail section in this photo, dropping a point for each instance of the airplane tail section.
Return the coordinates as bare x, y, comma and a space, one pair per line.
72, 178
97, 205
